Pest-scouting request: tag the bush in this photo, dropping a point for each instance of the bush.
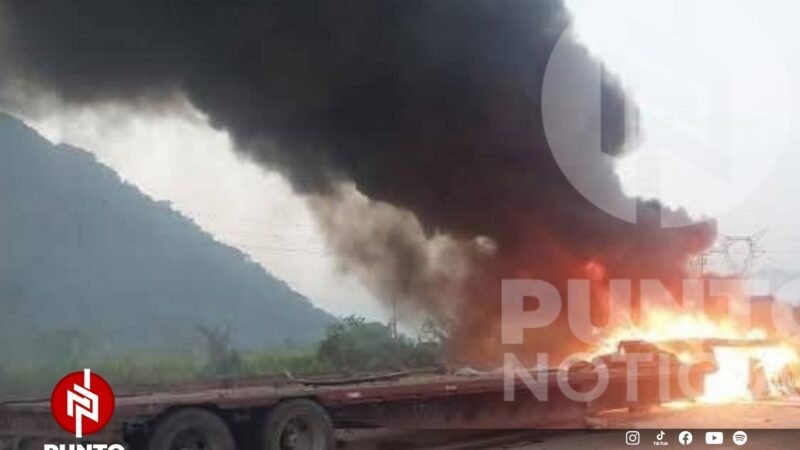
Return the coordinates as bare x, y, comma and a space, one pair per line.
353, 345
357, 345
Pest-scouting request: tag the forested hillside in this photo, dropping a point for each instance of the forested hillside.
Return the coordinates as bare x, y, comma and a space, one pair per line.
91, 265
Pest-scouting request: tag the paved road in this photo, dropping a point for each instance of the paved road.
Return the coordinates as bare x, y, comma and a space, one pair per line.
754, 418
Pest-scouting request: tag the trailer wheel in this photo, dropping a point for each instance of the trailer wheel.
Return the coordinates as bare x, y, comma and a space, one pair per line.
191, 429
297, 425
29, 444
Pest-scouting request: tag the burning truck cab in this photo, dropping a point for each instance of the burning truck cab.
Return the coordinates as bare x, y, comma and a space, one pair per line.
710, 370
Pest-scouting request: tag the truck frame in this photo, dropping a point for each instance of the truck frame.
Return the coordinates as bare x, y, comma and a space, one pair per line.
302, 414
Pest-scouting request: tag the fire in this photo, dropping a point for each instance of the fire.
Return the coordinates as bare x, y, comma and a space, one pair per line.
742, 372
748, 373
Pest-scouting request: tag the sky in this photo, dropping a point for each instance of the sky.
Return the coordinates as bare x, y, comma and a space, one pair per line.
716, 82
176, 156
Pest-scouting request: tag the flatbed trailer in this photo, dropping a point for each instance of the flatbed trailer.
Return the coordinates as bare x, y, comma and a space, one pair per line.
302, 414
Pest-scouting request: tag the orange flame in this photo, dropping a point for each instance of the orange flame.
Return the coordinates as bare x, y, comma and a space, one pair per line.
741, 371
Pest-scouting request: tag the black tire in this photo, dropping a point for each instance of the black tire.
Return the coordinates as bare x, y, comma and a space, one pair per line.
191, 429
297, 425
29, 444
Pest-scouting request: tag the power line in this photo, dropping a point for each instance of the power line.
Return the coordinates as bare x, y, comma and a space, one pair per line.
725, 248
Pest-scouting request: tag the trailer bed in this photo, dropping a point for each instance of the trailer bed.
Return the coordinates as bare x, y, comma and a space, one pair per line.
414, 401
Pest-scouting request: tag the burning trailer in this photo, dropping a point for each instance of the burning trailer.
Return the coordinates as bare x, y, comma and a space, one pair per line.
303, 413
422, 135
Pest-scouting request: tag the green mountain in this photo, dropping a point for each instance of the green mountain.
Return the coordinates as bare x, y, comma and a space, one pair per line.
89, 261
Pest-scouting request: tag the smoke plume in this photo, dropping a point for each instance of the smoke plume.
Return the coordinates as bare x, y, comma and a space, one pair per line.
413, 127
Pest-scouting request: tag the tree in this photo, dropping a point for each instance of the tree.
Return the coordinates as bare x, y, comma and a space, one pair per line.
357, 345
222, 359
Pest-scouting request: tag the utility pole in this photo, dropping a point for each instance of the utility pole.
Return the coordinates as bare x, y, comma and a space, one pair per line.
753, 248
725, 247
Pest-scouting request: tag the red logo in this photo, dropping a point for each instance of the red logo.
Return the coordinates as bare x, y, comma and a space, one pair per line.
82, 403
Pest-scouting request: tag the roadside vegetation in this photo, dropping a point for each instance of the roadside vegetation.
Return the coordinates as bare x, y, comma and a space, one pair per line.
351, 346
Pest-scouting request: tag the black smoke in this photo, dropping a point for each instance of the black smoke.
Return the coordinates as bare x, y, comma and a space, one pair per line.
430, 109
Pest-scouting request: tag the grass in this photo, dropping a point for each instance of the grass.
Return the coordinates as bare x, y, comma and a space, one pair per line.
127, 372
354, 345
